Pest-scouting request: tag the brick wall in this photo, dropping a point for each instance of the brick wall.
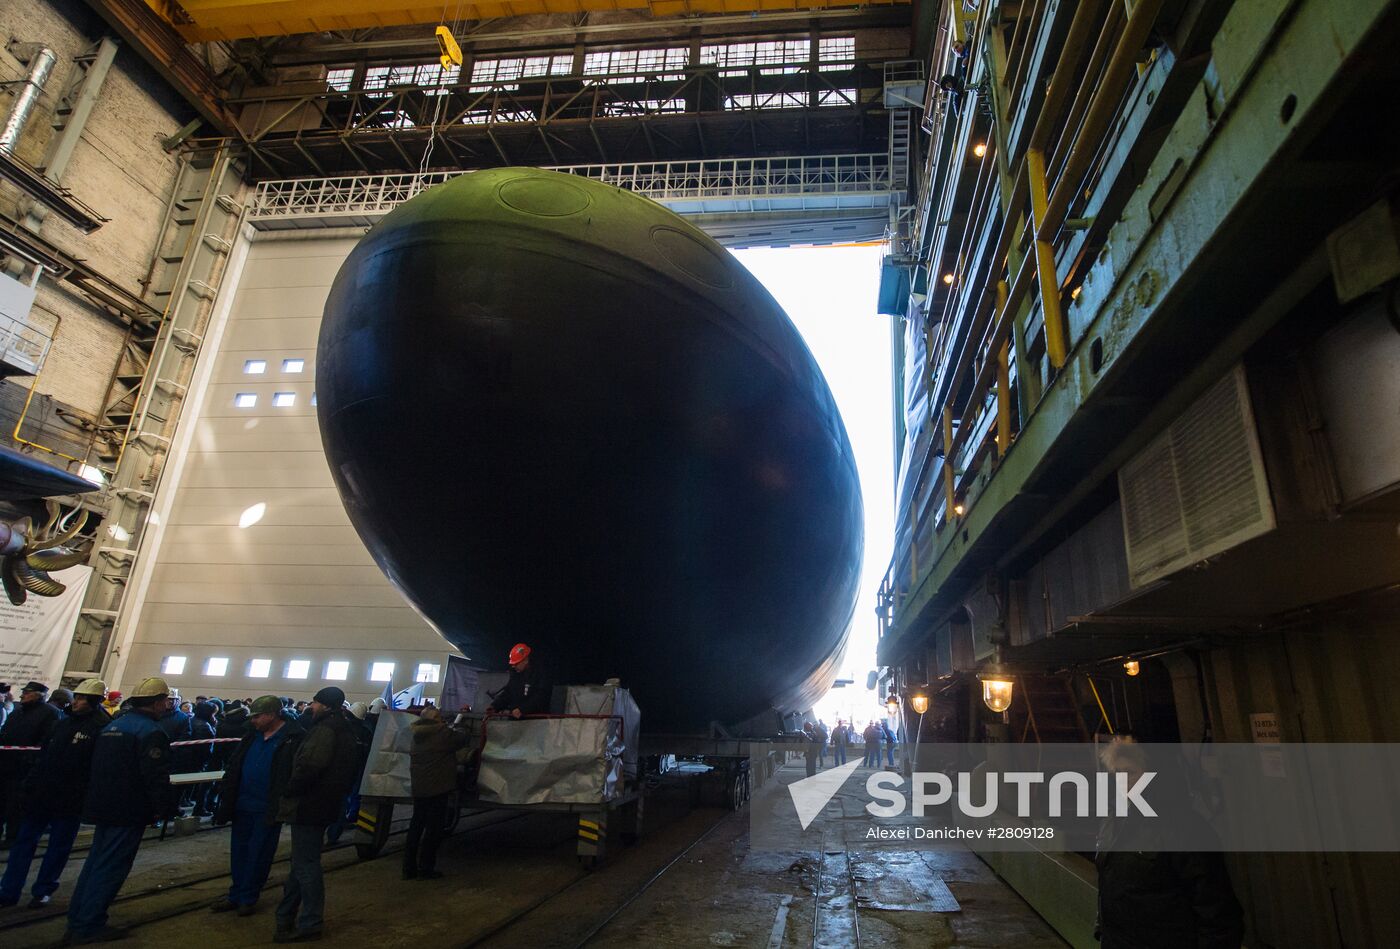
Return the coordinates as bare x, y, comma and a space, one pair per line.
118, 169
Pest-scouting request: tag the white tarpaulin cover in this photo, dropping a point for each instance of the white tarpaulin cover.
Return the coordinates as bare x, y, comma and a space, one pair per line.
609, 700
551, 760
387, 770
34, 637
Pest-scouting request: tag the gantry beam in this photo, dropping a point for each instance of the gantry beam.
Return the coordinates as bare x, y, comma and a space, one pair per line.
205, 20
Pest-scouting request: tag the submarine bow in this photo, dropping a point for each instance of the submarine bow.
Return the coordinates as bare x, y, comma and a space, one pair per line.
557, 413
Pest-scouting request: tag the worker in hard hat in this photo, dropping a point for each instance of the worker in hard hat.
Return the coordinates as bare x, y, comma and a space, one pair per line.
525, 692
132, 755
52, 797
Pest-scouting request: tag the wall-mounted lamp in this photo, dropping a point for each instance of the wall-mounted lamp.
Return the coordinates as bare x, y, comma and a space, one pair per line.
892, 704
980, 149
997, 684
959, 509
948, 279
919, 702
1131, 667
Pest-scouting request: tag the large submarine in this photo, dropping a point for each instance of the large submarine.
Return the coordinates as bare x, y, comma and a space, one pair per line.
558, 413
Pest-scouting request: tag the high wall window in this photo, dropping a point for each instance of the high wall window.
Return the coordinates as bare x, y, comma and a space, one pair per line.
427, 672
259, 668
425, 75
836, 52
245, 400
776, 56
293, 365
216, 666
337, 670
284, 400
173, 665
298, 668
254, 367
661, 63
381, 672
489, 72
339, 80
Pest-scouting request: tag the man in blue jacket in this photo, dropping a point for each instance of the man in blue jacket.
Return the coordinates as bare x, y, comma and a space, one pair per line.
132, 756
254, 779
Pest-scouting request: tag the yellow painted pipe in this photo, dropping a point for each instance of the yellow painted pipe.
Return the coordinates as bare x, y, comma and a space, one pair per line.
1056, 334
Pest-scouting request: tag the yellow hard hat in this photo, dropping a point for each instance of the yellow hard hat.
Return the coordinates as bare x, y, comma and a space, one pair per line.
151, 688
94, 687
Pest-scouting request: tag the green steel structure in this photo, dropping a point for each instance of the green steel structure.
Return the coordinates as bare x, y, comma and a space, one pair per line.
1145, 403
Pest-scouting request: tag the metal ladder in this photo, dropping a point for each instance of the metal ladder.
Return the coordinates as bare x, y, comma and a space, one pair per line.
148, 389
903, 93
901, 140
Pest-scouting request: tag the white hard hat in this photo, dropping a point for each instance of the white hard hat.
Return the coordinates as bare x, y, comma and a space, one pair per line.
151, 688
93, 688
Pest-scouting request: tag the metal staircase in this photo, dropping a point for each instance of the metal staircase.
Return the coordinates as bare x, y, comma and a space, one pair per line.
904, 92
1045, 709
901, 141
148, 389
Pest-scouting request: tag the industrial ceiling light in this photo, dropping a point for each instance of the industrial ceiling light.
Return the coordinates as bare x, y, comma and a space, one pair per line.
948, 279
997, 684
919, 701
892, 704
959, 509
1131, 667
980, 149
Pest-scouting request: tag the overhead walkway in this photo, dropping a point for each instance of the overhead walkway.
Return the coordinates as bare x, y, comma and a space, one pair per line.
740, 201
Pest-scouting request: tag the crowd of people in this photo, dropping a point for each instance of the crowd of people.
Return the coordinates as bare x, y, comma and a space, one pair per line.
817, 738
280, 762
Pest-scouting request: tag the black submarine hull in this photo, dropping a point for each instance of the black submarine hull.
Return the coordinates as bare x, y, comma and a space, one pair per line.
559, 414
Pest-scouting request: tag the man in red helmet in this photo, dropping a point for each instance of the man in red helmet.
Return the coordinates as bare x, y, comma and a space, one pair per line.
526, 692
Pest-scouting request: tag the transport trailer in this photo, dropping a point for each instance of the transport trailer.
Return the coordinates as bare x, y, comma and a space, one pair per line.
581, 760
738, 765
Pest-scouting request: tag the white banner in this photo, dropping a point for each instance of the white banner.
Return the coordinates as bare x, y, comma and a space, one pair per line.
34, 637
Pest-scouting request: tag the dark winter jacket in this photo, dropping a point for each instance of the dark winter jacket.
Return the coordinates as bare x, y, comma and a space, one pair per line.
57, 784
29, 724
527, 691
196, 757
292, 736
233, 725
326, 767
26, 725
1155, 899
131, 770
433, 766
175, 724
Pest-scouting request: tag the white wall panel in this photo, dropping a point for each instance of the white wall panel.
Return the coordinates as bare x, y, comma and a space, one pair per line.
297, 584
272, 303
276, 333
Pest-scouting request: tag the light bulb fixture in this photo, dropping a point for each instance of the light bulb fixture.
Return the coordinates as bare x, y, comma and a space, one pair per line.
892, 704
1131, 667
948, 279
959, 509
980, 149
919, 702
997, 683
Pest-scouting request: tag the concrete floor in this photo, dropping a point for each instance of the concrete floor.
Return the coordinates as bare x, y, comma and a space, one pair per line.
513, 881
